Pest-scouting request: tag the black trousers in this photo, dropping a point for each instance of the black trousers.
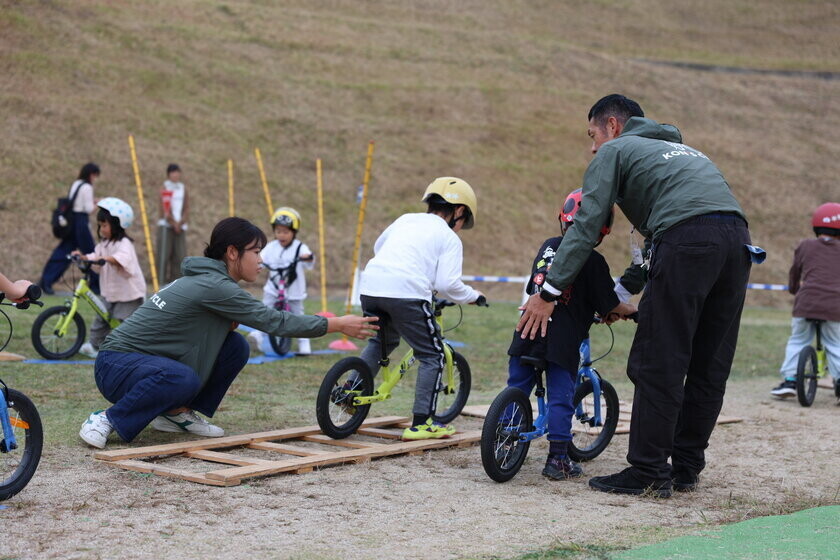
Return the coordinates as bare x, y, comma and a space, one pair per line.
689, 317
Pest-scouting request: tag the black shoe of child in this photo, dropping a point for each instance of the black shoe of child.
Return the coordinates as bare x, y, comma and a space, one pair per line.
629, 481
561, 467
685, 481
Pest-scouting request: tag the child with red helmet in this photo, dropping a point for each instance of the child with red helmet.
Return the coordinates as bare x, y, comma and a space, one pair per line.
591, 292
815, 282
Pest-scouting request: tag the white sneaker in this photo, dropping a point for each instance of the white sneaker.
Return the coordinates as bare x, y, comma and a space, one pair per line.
304, 349
96, 429
88, 350
186, 422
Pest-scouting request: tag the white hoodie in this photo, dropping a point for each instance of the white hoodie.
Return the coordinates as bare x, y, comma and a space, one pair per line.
415, 255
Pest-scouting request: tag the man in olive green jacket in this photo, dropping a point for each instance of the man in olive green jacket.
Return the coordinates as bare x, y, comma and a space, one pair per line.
690, 311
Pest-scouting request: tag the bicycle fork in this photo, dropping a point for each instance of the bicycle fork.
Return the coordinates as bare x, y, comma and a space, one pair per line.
580, 413
8, 443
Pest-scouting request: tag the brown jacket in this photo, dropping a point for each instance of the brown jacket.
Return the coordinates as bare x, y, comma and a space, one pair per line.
815, 279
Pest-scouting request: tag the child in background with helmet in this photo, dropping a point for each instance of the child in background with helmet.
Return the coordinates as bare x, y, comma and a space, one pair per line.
286, 258
592, 292
415, 256
814, 279
122, 285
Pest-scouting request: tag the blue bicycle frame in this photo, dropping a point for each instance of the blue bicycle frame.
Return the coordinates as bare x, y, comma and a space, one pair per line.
8, 442
584, 372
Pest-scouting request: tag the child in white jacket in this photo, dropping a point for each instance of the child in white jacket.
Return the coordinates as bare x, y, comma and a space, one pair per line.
415, 256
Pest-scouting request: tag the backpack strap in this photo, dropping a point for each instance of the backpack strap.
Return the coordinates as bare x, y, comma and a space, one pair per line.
75, 194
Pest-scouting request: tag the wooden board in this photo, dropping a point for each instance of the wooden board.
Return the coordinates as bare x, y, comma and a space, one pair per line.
825, 383
303, 458
624, 413
11, 357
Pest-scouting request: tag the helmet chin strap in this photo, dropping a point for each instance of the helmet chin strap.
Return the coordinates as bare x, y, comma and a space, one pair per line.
453, 221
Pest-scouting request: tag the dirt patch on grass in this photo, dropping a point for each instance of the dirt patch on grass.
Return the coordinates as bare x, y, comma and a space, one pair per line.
438, 505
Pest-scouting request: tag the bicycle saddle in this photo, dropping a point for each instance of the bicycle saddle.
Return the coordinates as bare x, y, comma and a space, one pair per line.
538, 363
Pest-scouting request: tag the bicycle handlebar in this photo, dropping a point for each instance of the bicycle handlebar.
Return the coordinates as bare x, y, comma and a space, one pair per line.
441, 303
33, 293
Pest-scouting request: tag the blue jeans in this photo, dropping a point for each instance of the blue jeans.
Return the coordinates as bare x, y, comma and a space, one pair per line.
143, 386
560, 390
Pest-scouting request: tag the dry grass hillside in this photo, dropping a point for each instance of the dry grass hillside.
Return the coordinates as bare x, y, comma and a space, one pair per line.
493, 91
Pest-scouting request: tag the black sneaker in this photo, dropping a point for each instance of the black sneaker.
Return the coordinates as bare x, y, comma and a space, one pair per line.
561, 468
837, 388
785, 390
684, 481
629, 482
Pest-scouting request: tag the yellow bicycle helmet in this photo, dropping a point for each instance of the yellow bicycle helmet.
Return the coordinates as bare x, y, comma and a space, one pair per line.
286, 216
454, 191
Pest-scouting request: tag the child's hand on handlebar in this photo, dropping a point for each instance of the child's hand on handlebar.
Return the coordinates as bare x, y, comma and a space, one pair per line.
620, 311
353, 325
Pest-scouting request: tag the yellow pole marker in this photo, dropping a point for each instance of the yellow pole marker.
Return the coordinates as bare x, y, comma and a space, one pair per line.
322, 256
264, 183
230, 187
345, 343
143, 212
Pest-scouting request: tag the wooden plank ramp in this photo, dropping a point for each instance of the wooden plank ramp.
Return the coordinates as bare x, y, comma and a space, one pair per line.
229, 468
624, 412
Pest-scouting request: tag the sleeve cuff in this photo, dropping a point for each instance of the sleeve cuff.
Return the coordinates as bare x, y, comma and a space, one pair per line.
622, 293
551, 289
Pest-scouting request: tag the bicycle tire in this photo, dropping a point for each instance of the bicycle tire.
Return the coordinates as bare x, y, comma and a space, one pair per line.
335, 417
588, 440
502, 452
806, 377
453, 403
50, 345
18, 465
280, 344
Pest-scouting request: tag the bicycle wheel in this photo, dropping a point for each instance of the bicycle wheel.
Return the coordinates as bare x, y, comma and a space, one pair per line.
337, 416
589, 440
806, 376
280, 344
502, 452
46, 340
451, 400
18, 465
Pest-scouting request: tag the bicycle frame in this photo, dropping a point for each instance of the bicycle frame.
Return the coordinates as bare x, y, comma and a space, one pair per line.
822, 363
8, 443
391, 375
83, 292
585, 372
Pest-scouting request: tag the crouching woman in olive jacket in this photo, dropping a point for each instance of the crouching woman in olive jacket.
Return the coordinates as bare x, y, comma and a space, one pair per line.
179, 352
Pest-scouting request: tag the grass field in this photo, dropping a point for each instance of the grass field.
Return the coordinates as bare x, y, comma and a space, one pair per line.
495, 91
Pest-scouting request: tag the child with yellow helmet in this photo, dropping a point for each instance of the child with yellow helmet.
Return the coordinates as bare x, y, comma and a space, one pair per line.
415, 256
286, 258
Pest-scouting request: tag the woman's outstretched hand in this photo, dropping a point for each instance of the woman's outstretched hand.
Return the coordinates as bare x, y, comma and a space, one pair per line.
353, 325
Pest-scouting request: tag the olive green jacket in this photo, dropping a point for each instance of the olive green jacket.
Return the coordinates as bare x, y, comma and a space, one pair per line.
655, 179
189, 319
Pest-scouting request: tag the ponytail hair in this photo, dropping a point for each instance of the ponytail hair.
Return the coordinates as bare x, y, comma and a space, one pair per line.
233, 231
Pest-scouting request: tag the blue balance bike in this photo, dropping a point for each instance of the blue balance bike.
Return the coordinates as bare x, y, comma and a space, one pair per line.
509, 426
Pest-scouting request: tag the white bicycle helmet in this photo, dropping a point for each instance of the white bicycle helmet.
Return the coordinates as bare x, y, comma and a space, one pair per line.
118, 209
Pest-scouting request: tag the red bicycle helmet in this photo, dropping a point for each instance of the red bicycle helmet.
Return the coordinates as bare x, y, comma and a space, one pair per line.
571, 207
827, 216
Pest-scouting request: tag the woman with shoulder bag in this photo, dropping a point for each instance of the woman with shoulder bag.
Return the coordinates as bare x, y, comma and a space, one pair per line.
81, 238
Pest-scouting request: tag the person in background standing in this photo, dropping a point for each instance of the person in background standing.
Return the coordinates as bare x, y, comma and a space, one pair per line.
80, 238
172, 230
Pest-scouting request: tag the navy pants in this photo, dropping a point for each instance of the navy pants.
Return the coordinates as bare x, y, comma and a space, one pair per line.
560, 390
143, 386
82, 240
682, 352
